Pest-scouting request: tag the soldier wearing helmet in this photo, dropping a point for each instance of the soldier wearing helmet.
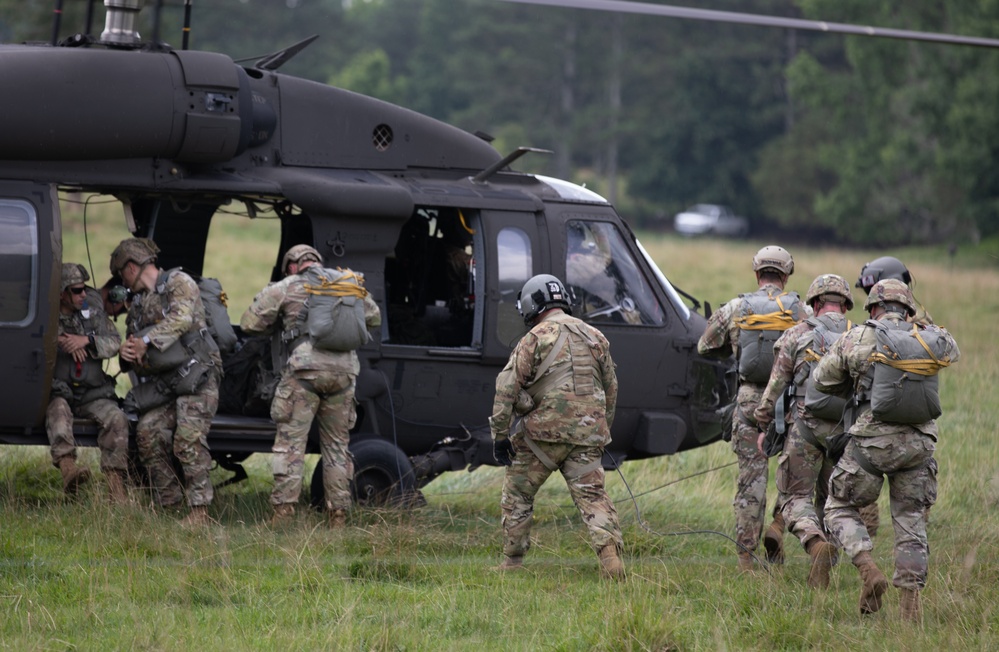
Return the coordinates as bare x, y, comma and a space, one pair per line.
81, 388
166, 323
888, 267
805, 463
748, 326
881, 446
314, 384
553, 410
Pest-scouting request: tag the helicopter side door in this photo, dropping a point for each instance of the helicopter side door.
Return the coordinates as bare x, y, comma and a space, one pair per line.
30, 264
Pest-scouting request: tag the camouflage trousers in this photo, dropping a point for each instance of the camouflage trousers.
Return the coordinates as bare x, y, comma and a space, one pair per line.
907, 461
327, 397
803, 471
751, 491
112, 439
583, 474
179, 430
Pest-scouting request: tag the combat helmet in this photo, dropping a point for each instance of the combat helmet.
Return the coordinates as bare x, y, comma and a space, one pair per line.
774, 257
138, 250
891, 290
880, 269
298, 254
73, 274
541, 293
829, 284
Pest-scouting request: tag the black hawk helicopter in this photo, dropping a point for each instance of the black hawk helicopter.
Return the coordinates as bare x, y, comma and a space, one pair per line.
445, 232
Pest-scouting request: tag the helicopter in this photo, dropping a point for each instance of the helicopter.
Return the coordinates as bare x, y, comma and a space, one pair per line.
442, 227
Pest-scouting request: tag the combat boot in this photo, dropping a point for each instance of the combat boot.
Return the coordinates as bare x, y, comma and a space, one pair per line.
909, 605
875, 583
746, 562
822, 553
116, 487
337, 519
197, 517
283, 514
773, 540
73, 476
511, 563
611, 566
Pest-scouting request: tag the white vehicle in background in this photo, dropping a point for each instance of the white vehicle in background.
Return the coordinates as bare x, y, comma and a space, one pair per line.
711, 219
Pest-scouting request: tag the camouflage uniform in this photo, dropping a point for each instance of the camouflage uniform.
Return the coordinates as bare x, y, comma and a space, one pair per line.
721, 336
803, 465
94, 400
181, 426
315, 384
903, 452
568, 429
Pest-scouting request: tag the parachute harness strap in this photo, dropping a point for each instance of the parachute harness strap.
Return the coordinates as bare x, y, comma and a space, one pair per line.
348, 285
922, 366
774, 321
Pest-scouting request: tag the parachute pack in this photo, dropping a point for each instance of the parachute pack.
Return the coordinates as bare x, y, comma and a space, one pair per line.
214, 298
762, 319
335, 309
905, 387
825, 332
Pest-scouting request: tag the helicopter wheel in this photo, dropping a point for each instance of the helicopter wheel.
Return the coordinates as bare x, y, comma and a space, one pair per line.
383, 476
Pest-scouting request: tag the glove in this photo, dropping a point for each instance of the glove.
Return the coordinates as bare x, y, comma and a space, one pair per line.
503, 452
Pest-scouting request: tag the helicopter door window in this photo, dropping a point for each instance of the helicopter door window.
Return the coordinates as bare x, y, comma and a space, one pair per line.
603, 278
513, 253
430, 280
18, 262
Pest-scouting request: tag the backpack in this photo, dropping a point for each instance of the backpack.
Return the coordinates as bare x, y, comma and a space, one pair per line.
762, 319
214, 298
335, 309
825, 332
905, 387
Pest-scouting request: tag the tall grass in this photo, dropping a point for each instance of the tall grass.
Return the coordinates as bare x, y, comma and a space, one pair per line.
80, 575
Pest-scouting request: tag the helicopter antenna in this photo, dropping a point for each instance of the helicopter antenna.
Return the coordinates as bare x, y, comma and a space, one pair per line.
643, 8
505, 161
187, 24
56, 21
89, 21
277, 59
156, 21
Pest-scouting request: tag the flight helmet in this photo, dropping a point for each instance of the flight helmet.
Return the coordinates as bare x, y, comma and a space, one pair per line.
880, 269
539, 294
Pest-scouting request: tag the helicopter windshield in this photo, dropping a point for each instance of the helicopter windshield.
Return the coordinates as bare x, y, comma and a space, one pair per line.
664, 282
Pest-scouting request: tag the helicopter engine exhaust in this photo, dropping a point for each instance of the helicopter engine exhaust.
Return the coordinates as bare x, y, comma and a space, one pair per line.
119, 25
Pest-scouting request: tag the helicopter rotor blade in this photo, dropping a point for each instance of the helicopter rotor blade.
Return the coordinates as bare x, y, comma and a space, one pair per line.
669, 11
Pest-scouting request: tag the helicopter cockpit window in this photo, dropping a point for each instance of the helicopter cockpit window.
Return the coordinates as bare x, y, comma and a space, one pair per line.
603, 278
513, 253
18, 262
430, 281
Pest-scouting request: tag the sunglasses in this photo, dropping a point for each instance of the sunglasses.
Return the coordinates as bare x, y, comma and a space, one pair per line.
77, 290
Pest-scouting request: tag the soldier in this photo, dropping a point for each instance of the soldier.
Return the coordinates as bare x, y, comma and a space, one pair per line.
170, 350
79, 386
748, 326
883, 362
560, 381
315, 384
804, 462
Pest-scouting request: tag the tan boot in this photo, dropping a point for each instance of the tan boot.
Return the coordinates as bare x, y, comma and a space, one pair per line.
197, 517
822, 553
611, 566
909, 606
875, 583
116, 487
283, 515
773, 540
337, 519
73, 476
746, 562
511, 563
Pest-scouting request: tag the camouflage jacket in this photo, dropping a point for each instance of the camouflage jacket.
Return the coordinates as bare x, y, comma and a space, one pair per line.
560, 415
848, 361
278, 307
92, 320
789, 358
171, 314
721, 336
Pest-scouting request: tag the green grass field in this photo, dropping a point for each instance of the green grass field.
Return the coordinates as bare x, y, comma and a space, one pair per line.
79, 575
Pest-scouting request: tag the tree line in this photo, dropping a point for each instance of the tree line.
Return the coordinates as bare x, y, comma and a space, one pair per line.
864, 140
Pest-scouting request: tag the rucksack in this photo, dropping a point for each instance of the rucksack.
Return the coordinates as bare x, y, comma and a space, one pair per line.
825, 333
905, 387
762, 319
335, 309
214, 298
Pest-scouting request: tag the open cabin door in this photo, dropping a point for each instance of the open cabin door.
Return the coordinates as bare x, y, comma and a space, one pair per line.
30, 263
